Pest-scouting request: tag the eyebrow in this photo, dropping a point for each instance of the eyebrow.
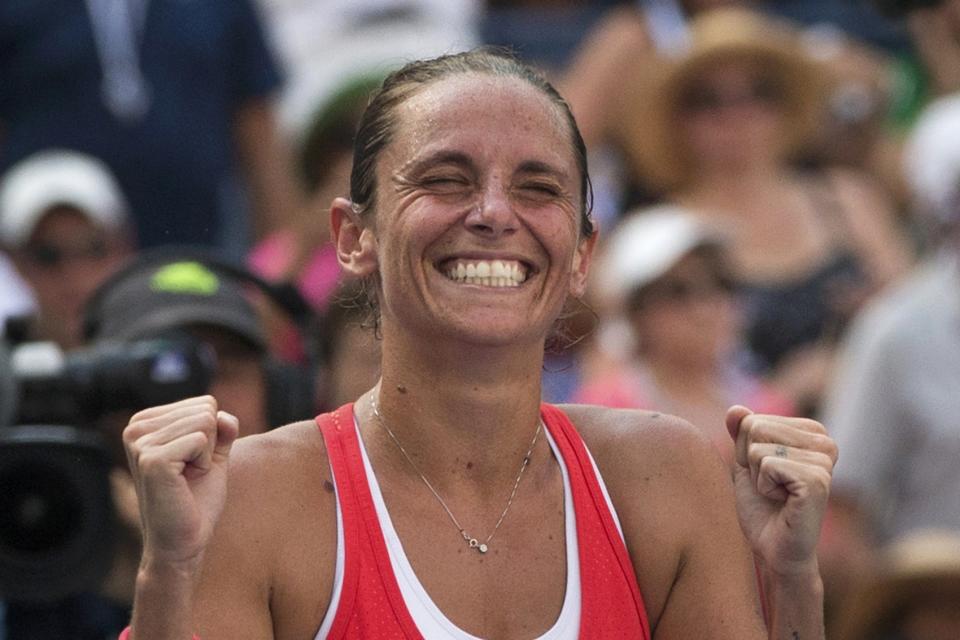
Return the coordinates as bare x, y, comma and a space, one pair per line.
461, 159
542, 168
418, 165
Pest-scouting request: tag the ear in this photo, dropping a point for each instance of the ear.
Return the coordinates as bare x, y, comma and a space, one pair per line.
581, 265
356, 244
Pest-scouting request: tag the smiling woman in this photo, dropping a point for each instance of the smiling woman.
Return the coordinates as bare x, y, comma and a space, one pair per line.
469, 219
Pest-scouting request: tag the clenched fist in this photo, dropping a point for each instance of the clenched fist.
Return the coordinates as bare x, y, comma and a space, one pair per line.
782, 476
178, 457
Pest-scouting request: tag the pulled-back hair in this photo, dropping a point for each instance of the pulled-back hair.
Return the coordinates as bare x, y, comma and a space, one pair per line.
379, 122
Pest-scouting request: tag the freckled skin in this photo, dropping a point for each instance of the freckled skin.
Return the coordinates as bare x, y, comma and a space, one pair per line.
479, 168
459, 183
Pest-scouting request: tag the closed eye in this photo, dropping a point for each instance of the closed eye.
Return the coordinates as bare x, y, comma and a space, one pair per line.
548, 189
539, 191
445, 183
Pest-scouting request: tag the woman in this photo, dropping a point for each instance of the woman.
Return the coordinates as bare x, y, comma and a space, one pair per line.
716, 130
457, 505
665, 274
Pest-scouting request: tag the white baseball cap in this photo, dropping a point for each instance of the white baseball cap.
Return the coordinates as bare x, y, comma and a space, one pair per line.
931, 158
647, 244
57, 177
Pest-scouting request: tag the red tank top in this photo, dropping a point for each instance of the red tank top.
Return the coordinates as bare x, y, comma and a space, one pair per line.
371, 606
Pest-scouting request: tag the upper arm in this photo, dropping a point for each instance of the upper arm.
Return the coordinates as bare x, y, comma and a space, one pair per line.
714, 593
593, 82
232, 600
870, 217
268, 572
675, 501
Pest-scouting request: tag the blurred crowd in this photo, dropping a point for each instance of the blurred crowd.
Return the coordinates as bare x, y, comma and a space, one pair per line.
776, 184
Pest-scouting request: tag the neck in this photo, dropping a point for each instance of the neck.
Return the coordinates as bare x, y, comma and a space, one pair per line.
684, 377
457, 407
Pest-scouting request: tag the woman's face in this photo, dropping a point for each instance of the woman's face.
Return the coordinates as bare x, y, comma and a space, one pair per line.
731, 114
477, 213
688, 313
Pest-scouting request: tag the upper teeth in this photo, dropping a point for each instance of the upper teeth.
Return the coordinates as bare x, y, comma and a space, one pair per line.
488, 273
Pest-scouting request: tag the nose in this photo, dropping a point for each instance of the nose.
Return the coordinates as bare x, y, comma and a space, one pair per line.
494, 215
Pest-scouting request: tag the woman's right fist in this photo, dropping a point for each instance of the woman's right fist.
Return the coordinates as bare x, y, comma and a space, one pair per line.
178, 457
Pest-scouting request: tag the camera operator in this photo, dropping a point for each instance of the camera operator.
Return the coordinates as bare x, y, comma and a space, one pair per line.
180, 298
64, 223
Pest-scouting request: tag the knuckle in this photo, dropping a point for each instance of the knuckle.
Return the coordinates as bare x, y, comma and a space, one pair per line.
207, 421
149, 461
756, 452
131, 433
822, 461
811, 425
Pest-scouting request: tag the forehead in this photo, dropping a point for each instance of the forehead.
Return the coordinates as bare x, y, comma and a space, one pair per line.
482, 115
732, 67
63, 220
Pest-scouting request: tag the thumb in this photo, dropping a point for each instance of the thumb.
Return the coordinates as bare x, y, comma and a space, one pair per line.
228, 428
735, 415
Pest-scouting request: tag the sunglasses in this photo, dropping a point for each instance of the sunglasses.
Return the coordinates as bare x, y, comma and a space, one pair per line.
48, 255
700, 98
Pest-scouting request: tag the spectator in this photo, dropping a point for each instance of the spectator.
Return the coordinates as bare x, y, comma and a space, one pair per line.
358, 36
914, 594
323, 164
895, 404
610, 52
64, 223
666, 272
178, 293
715, 130
173, 96
158, 296
895, 393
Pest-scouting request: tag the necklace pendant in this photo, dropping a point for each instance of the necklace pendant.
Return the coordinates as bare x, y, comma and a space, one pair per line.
481, 547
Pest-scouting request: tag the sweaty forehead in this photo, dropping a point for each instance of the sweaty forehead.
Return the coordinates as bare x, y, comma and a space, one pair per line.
482, 113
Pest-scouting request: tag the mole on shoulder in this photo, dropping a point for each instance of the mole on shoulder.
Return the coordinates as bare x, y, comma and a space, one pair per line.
469, 465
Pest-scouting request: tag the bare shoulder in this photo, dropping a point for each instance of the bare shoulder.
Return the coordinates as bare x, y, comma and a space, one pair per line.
655, 467
667, 484
275, 544
279, 463
280, 480
623, 439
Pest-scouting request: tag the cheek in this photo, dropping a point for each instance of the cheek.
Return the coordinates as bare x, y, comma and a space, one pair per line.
557, 231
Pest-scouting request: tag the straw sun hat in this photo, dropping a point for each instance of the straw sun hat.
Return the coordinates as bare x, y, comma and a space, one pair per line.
647, 127
920, 568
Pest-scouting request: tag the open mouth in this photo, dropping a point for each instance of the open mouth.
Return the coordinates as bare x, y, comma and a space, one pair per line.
486, 273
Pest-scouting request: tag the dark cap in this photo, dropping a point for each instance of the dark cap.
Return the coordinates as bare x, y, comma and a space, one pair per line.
165, 296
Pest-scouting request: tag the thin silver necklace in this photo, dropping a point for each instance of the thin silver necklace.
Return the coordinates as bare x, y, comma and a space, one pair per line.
472, 542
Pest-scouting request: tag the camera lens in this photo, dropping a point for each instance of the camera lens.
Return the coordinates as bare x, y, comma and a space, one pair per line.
56, 512
40, 509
